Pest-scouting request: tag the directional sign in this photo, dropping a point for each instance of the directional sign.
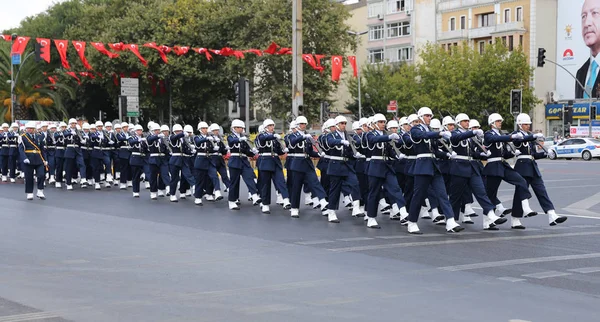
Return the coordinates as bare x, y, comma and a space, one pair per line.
129, 91
16, 59
392, 107
130, 87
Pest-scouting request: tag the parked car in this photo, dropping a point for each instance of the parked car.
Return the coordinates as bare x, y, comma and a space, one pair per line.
584, 148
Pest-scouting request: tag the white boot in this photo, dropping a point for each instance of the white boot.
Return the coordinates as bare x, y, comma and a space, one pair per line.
424, 214
413, 228
307, 199
279, 199
136, 194
109, 178
161, 193
286, 203
123, 186
153, 195
117, 175
452, 226
233, 206
493, 219
323, 204
107, 184
316, 203
58, 185
96, 186
469, 212
356, 211
40, 194
427, 204
52, 180
501, 211
372, 223
466, 219
167, 191
209, 197
331, 217
348, 202
84, 183
255, 199
555, 219
218, 195
102, 177
182, 196
265, 209
362, 210
295, 213
12, 180
129, 184
403, 215
249, 196
188, 192
395, 214
69, 187
198, 202
515, 223
30, 196
4, 179
527, 212
173, 198
147, 185
384, 207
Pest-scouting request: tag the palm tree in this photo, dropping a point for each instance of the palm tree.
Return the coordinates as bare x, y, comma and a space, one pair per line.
37, 97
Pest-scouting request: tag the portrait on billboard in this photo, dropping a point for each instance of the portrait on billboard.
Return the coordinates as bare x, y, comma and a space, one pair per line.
587, 74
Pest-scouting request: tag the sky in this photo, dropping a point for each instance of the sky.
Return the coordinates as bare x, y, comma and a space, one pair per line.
13, 11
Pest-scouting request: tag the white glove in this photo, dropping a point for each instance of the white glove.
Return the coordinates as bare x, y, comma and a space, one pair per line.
517, 153
488, 153
26, 161
111, 142
142, 139
401, 156
451, 155
286, 150
322, 154
307, 136
277, 136
83, 141
210, 138
186, 134
538, 135
45, 163
243, 139
345, 142
216, 148
255, 151
227, 148
446, 135
517, 136
161, 135
359, 156
478, 132
394, 136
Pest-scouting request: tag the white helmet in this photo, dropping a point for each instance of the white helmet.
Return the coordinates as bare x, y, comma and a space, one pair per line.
340, 119
392, 124
107, 124
53, 125
164, 128
424, 111
370, 122
378, 117
447, 120
30, 125
4, 125
44, 124
37, 127
293, 125
131, 125
474, 123
138, 128
188, 128
403, 120
238, 123
78, 127
118, 126
71, 121
177, 127
213, 127
363, 121
268, 122
124, 124
331, 123
523, 119
15, 125
62, 124
202, 125
412, 118
461, 117
356, 126
435, 124
494, 117
261, 128
86, 126
98, 123
301, 120
149, 124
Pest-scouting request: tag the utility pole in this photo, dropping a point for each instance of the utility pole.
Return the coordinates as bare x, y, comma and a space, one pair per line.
297, 77
357, 35
13, 37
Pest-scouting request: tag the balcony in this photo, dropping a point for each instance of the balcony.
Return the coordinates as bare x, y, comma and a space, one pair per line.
446, 5
482, 32
510, 27
461, 34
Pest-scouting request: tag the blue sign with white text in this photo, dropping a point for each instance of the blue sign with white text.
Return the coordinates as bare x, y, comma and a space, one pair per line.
16, 59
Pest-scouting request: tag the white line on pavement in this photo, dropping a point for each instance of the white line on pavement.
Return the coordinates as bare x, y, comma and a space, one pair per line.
548, 274
520, 261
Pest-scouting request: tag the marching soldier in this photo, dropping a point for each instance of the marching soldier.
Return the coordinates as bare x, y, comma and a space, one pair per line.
51, 152
217, 159
12, 139
33, 158
527, 167
110, 155
137, 160
239, 166
4, 151
86, 151
158, 160
73, 156
361, 164
97, 143
269, 166
124, 154
323, 162
176, 160
61, 145
203, 147
187, 170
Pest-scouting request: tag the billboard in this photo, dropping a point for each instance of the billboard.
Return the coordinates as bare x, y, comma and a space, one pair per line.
577, 38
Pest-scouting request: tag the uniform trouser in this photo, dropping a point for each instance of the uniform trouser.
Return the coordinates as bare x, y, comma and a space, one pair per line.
136, 173
247, 174
4, 164
182, 175
200, 178
89, 170
12, 165
434, 201
307, 179
114, 155
447, 180
59, 167
98, 168
537, 184
422, 184
71, 167
390, 184
512, 177
147, 173
326, 183
107, 162
363, 183
265, 178
158, 175
336, 183
458, 188
188, 176
51, 162
175, 171
39, 173
222, 170
125, 170
213, 183
410, 188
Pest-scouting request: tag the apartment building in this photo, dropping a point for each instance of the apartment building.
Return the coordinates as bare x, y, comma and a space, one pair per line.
390, 24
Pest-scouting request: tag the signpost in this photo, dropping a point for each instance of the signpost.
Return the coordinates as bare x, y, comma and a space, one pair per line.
16, 59
392, 107
130, 88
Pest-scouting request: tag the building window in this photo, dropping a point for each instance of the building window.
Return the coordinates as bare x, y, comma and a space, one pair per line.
504, 40
376, 56
521, 41
405, 54
376, 32
463, 22
519, 14
375, 9
486, 19
506, 15
452, 24
510, 43
481, 47
395, 6
398, 29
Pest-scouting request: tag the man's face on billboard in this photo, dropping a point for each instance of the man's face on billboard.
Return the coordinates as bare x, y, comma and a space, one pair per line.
590, 21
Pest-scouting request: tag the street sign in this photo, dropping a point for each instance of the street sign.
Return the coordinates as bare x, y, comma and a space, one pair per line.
129, 91
392, 107
16, 59
130, 87
133, 114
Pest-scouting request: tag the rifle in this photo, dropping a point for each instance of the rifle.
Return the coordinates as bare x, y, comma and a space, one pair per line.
509, 145
475, 138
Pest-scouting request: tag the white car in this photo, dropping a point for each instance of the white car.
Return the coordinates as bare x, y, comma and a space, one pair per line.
584, 148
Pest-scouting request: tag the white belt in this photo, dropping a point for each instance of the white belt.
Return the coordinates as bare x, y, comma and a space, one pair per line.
5, 145
425, 155
85, 148
267, 154
12, 146
338, 158
176, 154
97, 148
327, 156
157, 154
50, 147
463, 157
106, 149
379, 157
72, 146
368, 159
494, 159
136, 153
241, 155
216, 153
297, 155
60, 147
412, 157
529, 157
124, 147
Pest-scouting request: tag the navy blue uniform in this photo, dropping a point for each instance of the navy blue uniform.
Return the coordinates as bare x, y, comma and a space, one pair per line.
31, 148
270, 168
137, 160
301, 151
73, 155
158, 160
123, 155
59, 157
340, 169
216, 158
239, 166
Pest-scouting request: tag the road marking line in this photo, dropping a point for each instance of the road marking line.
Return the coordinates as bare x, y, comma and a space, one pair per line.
511, 279
355, 239
314, 242
520, 261
28, 316
410, 236
335, 301
586, 203
75, 261
265, 309
547, 274
585, 270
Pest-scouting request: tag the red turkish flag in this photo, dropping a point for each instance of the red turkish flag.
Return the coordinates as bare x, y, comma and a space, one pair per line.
272, 49
115, 79
238, 54
225, 51
203, 51
308, 58
19, 45
181, 50
165, 49
318, 59
352, 60
7, 37
152, 82
163, 55
72, 74
61, 47
284, 51
46, 44
257, 52
135, 50
80, 48
100, 47
336, 67
117, 46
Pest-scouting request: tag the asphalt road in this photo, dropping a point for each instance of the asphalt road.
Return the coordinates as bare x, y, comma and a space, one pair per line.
104, 256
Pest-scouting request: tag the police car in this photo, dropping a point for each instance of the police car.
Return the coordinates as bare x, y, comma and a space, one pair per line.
584, 148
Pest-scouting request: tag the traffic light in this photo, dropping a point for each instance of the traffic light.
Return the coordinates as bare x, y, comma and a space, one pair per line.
516, 96
593, 112
541, 58
39, 50
241, 92
568, 113
236, 89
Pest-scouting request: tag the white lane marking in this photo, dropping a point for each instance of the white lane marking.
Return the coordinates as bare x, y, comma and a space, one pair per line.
586, 203
585, 270
28, 317
355, 239
410, 236
314, 242
75, 261
520, 261
548, 274
460, 241
264, 309
511, 279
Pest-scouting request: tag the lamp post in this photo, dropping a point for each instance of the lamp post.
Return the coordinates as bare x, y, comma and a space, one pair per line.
357, 35
13, 37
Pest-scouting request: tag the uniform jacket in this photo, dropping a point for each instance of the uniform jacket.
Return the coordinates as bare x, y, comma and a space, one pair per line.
269, 150
340, 155
303, 148
526, 165
426, 148
31, 147
240, 151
